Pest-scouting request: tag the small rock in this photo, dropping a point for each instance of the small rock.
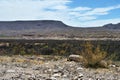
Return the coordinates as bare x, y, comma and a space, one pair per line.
112, 66
24, 66
80, 75
64, 75
53, 78
56, 75
10, 71
103, 64
79, 68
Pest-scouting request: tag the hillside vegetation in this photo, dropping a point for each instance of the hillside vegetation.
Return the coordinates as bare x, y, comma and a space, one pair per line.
111, 49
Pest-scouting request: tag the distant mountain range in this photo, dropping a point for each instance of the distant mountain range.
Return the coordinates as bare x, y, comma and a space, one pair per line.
42, 24
52, 28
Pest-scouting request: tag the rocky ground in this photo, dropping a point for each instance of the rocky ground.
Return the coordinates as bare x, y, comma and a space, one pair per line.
44, 68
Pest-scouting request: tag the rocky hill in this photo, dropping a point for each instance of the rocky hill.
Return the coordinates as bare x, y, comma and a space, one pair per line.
52, 28
112, 26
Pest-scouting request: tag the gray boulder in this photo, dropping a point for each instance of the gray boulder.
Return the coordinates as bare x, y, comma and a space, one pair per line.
76, 58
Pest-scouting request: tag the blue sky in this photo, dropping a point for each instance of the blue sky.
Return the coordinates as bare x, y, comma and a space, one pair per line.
80, 13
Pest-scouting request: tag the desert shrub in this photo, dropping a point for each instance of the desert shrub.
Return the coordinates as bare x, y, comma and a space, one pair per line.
18, 49
22, 51
93, 55
113, 57
47, 51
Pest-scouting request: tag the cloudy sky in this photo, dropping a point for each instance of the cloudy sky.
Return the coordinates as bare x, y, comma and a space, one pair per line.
80, 13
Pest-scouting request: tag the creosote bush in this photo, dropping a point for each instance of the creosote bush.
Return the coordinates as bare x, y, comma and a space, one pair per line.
93, 56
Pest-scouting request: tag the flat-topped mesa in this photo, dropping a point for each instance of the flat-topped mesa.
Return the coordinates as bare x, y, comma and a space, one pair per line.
37, 24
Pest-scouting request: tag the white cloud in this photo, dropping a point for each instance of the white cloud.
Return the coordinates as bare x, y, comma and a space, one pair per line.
81, 8
59, 7
29, 9
101, 11
86, 13
87, 18
53, 10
